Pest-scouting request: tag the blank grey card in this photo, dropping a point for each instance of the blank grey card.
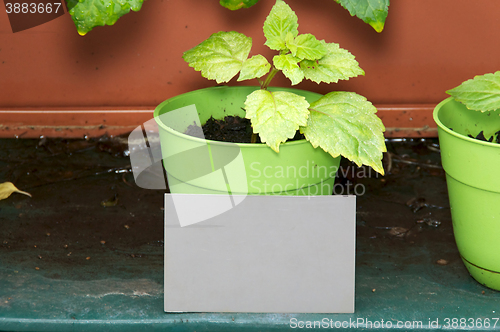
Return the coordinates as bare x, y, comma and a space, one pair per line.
282, 254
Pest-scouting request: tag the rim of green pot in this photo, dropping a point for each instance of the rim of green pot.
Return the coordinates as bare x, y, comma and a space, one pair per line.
196, 139
441, 126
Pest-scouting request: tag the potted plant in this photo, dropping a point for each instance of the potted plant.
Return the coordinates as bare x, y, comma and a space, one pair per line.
213, 264
338, 123
468, 127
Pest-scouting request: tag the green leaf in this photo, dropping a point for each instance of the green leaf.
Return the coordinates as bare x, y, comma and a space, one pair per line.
482, 93
337, 64
221, 56
288, 64
276, 116
306, 46
256, 66
237, 4
87, 14
345, 123
373, 12
280, 21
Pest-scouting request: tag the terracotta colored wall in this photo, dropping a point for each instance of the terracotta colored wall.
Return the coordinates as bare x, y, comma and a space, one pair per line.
427, 47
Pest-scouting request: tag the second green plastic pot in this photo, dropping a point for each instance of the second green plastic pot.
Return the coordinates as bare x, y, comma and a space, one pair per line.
473, 180
198, 166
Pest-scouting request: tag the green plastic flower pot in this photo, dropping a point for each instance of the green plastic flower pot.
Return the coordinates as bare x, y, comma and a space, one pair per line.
473, 180
198, 166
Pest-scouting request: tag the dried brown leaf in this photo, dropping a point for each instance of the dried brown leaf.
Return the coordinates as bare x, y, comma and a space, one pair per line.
7, 188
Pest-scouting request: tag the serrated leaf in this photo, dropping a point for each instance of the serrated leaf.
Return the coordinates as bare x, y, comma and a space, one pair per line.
373, 12
288, 64
8, 188
482, 93
276, 116
256, 66
237, 4
337, 64
221, 56
280, 21
87, 14
306, 46
345, 123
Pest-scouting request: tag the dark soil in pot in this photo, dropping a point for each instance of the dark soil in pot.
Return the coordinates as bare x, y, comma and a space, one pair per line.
481, 137
231, 129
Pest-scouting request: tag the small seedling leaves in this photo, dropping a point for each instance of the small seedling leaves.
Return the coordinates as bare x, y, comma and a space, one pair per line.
373, 12
7, 188
345, 123
256, 66
237, 4
87, 14
276, 116
337, 64
482, 93
306, 46
288, 64
280, 21
221, 56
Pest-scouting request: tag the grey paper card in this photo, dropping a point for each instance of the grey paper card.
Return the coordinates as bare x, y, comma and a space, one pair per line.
283, 254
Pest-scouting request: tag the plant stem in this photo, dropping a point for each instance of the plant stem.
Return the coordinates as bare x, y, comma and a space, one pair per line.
269, 78
254, 138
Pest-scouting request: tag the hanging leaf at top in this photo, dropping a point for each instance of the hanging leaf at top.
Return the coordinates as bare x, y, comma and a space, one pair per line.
87, 14
237, 4
372, 12
8, 188
221, 56
482, 93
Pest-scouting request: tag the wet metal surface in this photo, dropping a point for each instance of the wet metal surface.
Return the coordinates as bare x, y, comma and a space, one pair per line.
86, 251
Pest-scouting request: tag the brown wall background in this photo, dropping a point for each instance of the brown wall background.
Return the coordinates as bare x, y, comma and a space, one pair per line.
426, 48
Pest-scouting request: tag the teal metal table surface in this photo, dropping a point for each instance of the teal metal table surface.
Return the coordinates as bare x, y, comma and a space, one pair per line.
86, 251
